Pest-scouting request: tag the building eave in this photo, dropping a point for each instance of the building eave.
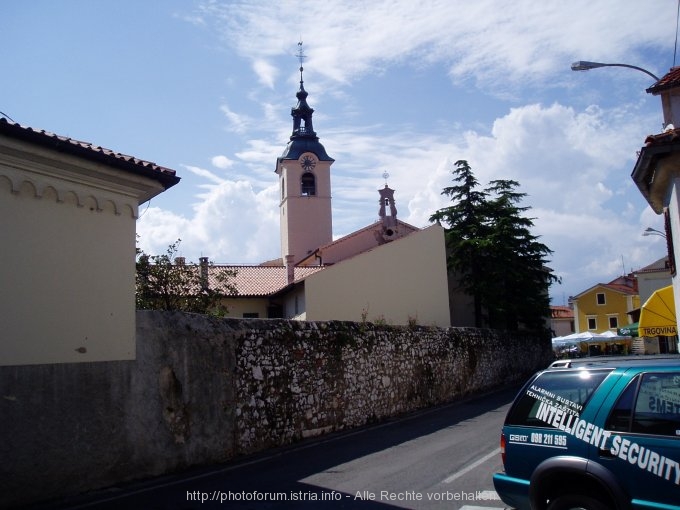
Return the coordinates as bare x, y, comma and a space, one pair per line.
658, 163
85, 150
606, 286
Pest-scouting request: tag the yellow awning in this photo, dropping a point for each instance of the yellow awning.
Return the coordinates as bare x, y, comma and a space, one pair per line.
657, 317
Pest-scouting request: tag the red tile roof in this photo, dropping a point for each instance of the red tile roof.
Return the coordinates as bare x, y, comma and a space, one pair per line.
86, 150
624, 289
561, 312
668, 137
622, 284
326, 249
670, 80
260, 281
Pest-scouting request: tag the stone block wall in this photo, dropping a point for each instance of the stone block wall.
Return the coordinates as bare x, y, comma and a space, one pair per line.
204, 390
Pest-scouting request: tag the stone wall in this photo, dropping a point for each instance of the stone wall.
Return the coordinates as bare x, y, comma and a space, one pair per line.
205, 390
303, 379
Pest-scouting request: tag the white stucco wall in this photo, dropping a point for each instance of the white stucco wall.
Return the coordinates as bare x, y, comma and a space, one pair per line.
648, 283
397, 282
67, 270
674, 213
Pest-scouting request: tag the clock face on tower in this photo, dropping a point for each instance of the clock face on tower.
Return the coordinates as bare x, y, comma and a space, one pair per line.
307, 163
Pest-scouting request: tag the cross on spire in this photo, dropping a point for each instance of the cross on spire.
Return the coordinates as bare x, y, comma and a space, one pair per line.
301, 58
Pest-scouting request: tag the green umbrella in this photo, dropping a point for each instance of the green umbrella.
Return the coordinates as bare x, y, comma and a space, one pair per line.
629, 329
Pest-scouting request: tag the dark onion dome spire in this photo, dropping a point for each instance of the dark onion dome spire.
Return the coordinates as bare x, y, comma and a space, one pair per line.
302, 112
303, 139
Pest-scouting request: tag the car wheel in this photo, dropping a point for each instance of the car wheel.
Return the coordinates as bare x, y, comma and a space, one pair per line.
576, 502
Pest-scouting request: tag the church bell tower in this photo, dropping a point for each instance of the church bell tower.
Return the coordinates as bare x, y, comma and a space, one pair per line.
304, 171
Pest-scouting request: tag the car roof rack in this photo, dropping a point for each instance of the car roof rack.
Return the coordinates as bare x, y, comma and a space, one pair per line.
614, 361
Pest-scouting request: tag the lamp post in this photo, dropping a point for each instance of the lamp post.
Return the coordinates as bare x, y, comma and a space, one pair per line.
584, 65
649, 231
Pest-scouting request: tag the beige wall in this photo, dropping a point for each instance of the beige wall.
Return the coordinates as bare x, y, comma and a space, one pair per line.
236, 307
68, 252
396, 282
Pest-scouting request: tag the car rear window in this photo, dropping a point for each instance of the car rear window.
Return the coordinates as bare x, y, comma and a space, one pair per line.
568, 390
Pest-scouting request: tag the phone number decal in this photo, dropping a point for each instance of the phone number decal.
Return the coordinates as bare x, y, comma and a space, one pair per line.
540, 439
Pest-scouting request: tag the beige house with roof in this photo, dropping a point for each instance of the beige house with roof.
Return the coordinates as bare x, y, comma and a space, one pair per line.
68, 212
388, 271
257, 288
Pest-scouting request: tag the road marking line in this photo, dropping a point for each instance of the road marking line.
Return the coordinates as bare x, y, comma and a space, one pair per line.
472, 466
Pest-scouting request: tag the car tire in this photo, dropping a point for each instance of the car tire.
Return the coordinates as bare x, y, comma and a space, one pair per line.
576, 502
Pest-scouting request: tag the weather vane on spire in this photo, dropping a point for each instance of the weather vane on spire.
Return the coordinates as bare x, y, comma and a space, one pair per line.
301, 57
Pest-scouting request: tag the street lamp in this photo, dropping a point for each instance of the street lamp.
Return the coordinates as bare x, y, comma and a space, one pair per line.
649, 231
584, 65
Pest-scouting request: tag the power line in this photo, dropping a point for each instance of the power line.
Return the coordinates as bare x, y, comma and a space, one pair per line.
12, 120
677, 22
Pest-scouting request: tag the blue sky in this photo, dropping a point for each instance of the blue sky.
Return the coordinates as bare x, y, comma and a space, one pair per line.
398, 86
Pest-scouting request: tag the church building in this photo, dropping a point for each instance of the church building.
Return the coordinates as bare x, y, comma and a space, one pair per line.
388, 271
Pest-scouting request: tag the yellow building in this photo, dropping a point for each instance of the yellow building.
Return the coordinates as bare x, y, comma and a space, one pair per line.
606, 306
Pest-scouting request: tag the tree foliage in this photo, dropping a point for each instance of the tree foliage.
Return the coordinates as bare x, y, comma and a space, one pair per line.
491, 249
164, 284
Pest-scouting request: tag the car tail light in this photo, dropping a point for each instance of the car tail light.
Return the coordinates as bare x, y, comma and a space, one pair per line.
503, 448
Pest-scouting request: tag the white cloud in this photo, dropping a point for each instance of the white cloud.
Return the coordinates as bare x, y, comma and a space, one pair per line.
238, 122
158, 228
231, 224
222, 162
265, 72
496, 46
207, 174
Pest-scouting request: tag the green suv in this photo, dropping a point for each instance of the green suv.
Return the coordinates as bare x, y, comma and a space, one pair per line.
595, 434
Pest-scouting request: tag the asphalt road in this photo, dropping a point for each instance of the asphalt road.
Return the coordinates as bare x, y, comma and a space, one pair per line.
439, 458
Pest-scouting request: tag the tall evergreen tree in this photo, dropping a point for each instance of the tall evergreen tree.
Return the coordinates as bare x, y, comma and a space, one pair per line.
501, 264
466, 233
517, 262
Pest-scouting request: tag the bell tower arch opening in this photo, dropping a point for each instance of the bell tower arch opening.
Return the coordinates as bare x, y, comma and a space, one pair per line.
308, 184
